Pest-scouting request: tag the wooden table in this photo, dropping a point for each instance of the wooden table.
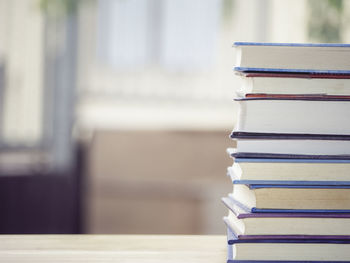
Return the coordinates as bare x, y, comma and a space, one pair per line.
112, 248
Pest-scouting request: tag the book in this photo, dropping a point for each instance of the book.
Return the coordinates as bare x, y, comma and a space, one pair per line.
293, 146
286, 83
289, 252
279, 171
294, 197
279, 261
234, 249
304, 227
304, 116
293, 58
287, 136
286, 156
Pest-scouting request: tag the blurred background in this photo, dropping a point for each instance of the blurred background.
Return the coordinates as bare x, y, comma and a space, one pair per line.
115, 114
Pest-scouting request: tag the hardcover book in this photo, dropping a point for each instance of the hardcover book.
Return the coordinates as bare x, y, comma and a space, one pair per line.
293, 146
283, 156
290, 171
316, 250
284, 83
293, 58
290, 252
293, 197
311, 115
320, 227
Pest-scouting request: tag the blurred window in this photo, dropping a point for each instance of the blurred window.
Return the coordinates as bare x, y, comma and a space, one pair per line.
177, 35
37, 74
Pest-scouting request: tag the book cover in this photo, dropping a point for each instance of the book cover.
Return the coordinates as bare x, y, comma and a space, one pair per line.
282, 261
293, 184
252, 155
293, 212
242, 43
292, 75
235, 178
287, 136
298, 185
307, 97
272, 160
307, 115
241, 211
233, 242
232, 238
292, 58
283, 70
284, 83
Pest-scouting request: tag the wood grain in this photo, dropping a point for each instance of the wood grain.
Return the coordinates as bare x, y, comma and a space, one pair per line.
112, 248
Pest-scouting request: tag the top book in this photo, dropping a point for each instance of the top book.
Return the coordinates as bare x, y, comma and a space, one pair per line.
293, 58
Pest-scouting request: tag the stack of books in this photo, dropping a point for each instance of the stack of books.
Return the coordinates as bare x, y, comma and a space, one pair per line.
291, 170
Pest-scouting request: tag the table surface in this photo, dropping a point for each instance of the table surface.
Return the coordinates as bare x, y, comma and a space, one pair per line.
112, 248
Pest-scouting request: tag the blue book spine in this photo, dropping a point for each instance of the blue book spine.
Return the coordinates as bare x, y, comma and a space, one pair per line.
285, 184
240, 43
283, 70
265, 210
271, 160
281, 261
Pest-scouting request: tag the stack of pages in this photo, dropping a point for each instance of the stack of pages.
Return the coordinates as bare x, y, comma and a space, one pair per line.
291, 169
